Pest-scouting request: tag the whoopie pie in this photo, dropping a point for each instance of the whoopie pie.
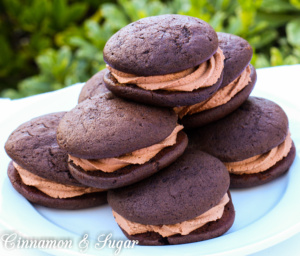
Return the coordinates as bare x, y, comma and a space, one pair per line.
167, 60
253, 142
112, 142
239, 79
39, 168
186, 202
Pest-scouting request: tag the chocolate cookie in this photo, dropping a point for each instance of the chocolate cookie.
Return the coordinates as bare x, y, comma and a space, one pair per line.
40, 169
253, 142
95, 85
168, 60
181, 192
238, 53
101, 132
216, 113
239, 79
161, 45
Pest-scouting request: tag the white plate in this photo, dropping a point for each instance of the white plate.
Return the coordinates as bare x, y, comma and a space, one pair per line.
265, 215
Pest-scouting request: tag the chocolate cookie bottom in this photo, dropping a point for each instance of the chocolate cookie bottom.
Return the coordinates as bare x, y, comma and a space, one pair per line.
160, 98
36, 196
131, 173
208, 231
251, 180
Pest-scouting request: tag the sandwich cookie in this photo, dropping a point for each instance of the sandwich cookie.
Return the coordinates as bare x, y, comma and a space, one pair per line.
253, 142
113, 143
239, 79
186, 202
39, 170
94, 86
167, 60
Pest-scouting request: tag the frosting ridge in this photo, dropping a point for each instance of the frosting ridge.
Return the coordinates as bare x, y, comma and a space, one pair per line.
260, 163
139, 156
205, 75
222, 96
51, 188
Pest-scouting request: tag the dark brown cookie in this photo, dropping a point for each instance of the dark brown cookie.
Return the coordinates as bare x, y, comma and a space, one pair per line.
107, 126
190, 186
208, 231
132, 173
35, 196
211, 115
94, 86
238, 53
33, 146
256, 127
161, 45
160, 98
251, 180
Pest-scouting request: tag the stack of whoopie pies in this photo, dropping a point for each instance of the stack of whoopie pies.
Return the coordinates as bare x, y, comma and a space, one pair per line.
164, 75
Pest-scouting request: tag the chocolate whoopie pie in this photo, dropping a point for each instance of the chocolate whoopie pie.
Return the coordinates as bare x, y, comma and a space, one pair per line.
39, 170
113, 143
239, 79
188, 201
167, 60
253, 142
94, 86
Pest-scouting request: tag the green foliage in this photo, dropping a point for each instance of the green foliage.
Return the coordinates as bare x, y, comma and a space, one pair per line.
49, 44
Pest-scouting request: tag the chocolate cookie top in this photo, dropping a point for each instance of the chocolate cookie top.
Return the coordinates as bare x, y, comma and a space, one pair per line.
190, 186
256, 127
95, 85
161, 45
107, 126
33, 146
238, 53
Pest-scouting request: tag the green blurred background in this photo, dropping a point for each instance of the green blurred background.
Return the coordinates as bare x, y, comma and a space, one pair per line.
46, 45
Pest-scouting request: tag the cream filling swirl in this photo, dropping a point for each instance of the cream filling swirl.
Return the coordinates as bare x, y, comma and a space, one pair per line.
51, 188
260, 163
221, 97
204, 75
139, 156
182, 228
